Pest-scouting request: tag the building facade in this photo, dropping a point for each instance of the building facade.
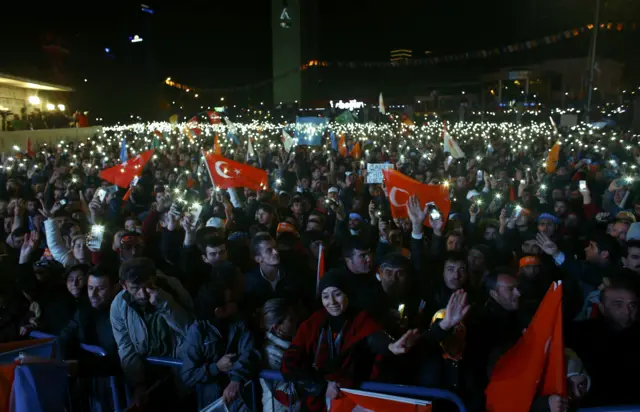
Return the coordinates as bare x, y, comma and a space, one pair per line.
21, 95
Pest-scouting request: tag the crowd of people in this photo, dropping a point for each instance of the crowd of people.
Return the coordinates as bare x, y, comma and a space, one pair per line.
234, 289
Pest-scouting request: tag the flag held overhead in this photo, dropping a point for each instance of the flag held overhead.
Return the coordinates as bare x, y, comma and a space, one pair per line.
122, 174
400, 187
226, 173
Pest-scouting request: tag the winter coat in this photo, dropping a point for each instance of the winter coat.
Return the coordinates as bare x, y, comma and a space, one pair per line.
131, 333
203, 348
310, 362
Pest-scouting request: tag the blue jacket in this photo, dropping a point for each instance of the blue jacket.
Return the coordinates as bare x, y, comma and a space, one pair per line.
203, 348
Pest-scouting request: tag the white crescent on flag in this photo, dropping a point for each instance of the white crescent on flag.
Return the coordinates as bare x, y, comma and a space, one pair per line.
392, 196
220, 172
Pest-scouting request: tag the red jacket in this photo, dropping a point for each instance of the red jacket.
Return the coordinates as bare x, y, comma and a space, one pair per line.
354, 363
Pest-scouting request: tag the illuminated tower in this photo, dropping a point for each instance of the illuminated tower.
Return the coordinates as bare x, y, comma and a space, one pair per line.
294, 42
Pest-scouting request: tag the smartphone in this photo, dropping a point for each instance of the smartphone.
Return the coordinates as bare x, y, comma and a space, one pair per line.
583, 185
101, 193
480, 176
517, 210
434, 213
96, 236
194, 211
64, 202
449, 160
586, 161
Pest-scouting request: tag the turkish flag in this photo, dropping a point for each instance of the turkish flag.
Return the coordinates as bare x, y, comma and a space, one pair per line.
122, 174
535, 365
400, 187
355, 400
226, 173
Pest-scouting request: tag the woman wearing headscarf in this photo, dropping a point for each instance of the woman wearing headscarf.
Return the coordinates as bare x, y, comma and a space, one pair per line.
338, 346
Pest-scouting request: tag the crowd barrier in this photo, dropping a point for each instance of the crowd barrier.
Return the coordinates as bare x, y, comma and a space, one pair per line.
97, 351
46, 350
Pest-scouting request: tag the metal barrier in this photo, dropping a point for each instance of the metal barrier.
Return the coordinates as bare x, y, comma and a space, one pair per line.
400, 390
98, 351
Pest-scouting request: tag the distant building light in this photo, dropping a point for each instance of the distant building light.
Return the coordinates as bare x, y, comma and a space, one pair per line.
51, 106
62, 107
350, 105
136, 39
35, 100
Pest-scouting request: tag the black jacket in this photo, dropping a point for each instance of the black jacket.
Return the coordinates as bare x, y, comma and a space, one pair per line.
611, 358
294, 286
92, 327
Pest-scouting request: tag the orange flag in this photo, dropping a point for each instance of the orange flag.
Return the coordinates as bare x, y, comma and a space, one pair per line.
342, 145
533, 366
372, 401
399, 187
122, 174
320, 271
552, 158
216, 145
355, 152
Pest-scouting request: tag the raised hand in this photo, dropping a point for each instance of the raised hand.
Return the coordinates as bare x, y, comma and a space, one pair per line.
31, 241
416, 213
372, 212
456, 310
547, 245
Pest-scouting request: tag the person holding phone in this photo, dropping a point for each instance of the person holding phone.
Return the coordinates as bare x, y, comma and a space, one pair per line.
219, 354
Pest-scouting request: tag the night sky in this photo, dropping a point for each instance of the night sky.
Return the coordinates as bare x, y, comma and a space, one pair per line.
216, 44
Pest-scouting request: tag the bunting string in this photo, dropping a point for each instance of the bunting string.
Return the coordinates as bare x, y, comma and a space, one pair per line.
456, 57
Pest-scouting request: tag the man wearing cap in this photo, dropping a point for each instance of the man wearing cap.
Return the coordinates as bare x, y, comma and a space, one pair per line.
397, 300
620, 229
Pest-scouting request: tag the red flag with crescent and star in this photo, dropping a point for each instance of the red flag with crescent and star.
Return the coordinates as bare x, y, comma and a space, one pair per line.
122, 174
400, 187
226, 173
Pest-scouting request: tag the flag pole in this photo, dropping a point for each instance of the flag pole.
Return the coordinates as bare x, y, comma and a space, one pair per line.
320, 251
208, 170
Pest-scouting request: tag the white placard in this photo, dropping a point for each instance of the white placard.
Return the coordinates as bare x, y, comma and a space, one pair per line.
374, 171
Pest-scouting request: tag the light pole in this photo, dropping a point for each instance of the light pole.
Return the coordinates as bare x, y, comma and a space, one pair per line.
592, 57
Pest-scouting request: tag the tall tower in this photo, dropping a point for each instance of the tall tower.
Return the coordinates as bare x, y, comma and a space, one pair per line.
294, 42
285, 40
